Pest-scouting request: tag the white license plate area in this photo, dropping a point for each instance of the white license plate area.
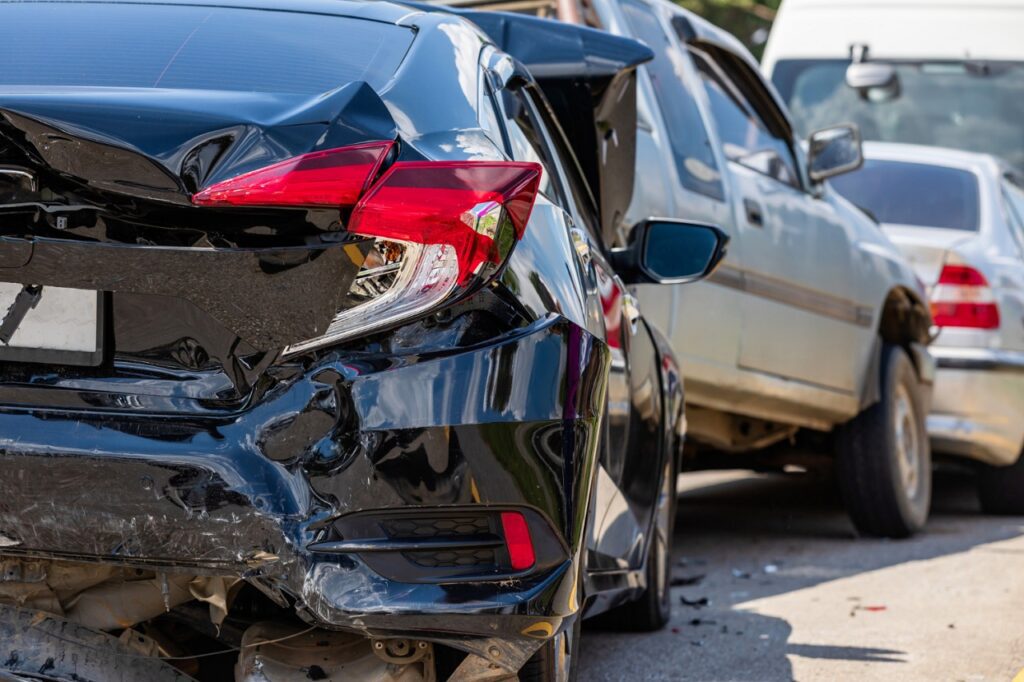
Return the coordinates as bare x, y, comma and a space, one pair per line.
63, 326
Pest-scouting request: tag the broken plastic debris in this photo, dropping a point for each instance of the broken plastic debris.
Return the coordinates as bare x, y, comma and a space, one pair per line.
737, 573
771, 568
858, 607
695, 603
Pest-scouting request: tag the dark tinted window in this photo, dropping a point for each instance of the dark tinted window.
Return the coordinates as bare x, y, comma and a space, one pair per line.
563, 157
690, 146
902, 193
202, 48
527, 141
745, 137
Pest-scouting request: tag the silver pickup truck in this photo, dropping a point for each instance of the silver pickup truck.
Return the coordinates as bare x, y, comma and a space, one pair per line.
813, 333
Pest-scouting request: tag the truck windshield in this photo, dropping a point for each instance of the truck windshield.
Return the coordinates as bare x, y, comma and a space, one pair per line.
918, 194
975, 106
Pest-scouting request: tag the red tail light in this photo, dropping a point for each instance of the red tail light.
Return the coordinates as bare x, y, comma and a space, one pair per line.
435, 223
332, 178
517, 540
961, 275
459, 203
963, 298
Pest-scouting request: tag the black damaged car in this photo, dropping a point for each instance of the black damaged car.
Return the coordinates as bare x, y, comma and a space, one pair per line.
317, 357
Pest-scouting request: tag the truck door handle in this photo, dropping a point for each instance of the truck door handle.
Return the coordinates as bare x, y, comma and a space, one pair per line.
754, 215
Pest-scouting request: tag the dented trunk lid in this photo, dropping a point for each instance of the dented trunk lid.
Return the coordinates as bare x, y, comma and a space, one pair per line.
98, 164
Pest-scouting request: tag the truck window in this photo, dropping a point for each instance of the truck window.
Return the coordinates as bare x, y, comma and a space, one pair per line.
691, 148
745, 137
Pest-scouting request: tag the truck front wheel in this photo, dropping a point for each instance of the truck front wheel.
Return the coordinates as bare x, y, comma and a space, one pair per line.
884, 458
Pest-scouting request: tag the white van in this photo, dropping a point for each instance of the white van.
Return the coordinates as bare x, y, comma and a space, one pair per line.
947, 74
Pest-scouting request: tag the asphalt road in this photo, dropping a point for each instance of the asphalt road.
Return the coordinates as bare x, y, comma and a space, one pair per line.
793, 594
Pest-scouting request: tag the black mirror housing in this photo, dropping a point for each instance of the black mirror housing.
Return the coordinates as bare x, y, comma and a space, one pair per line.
834, 151
665, 251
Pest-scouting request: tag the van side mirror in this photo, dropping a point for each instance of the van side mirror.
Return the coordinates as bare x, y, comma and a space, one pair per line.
834, 151
663, 251
874, 81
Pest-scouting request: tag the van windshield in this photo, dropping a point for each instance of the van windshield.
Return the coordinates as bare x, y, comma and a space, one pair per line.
975, 106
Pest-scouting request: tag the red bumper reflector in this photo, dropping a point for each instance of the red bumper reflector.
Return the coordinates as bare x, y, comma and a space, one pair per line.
517, 540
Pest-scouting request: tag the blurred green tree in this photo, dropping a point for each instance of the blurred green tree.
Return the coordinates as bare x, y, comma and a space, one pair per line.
748, 20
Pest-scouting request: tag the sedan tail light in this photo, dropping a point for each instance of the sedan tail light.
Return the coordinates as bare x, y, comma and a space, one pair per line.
963, 298
436, 225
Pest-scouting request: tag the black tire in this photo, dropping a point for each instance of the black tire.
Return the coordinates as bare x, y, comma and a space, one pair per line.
884, 458
1001, 489
49, 648
651, 610
557, 660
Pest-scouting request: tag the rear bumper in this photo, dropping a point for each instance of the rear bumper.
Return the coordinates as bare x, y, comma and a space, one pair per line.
512, 423
978, 404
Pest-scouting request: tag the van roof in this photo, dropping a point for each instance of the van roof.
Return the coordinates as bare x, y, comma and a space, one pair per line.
897, 29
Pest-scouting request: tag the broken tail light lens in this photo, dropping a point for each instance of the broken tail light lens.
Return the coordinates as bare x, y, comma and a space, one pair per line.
332, 178
962, 298
436, 225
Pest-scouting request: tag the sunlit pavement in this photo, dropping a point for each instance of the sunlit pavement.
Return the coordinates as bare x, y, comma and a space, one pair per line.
793, 594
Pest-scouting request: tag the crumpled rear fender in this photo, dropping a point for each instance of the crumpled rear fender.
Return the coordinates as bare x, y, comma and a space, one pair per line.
511, 422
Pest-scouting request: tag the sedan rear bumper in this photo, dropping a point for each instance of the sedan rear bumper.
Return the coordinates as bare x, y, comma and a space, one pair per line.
978, 404
253, 494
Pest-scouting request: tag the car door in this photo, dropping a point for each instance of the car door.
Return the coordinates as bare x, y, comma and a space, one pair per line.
629, 460
799, 320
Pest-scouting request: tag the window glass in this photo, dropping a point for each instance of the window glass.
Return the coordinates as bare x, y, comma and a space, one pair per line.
489, 112
687, 135
526, 141
577, 189
917, 194
192, 47
745, 138
977, 105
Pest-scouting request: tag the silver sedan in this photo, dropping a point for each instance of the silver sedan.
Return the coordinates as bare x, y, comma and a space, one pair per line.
959, 218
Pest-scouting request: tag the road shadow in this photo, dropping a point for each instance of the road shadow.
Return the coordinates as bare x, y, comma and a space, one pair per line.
741, 537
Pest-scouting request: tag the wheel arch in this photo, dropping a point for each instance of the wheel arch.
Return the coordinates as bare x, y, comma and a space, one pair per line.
905, 321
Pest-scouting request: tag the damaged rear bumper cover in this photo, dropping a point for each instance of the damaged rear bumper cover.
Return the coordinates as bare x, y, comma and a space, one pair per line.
272, 493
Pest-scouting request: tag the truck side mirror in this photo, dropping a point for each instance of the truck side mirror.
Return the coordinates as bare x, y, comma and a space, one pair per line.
834, 151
